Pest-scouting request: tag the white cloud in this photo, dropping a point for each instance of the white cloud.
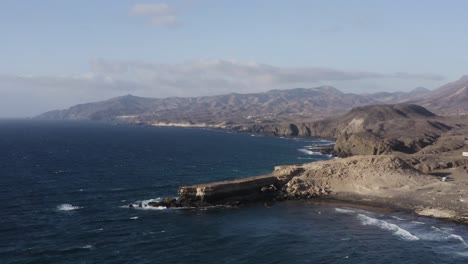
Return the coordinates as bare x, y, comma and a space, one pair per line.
108, 78
156, 14
200, 77
223, 76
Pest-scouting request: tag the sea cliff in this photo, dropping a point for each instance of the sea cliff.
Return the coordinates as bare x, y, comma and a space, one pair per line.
399, 156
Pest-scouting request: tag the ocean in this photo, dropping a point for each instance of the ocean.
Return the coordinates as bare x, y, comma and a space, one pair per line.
65, 188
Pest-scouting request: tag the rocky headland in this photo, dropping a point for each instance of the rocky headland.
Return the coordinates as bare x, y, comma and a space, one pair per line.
399, 156
398, 149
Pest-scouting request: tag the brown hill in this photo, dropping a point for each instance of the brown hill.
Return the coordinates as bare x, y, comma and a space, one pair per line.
451, 98
381, 129
268, 107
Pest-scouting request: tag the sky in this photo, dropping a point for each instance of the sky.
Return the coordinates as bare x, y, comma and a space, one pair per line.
57, 53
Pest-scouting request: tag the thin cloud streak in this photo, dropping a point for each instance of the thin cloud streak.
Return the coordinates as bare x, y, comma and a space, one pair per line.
107, 78
195, 78
156, 14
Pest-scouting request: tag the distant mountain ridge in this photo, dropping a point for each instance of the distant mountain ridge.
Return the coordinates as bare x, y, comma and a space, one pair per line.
274, 106
401, 97
451, 98
270, 106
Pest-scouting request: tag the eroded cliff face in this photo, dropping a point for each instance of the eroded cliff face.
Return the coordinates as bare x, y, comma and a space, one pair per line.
322, 128
369, 130
361, 143
381, 176
383, 129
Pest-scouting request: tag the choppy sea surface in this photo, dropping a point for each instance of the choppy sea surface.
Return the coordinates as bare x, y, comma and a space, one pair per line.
65, 189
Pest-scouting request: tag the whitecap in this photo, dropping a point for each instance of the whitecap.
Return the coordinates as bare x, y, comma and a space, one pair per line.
88, 247
134, 217
309, 152
397, 231
67, 207
344, 211
398, 218
457, 238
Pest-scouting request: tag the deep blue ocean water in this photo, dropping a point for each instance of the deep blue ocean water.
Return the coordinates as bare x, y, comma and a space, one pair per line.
65, 189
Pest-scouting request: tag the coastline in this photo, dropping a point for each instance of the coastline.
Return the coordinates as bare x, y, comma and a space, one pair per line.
384, 181
446, 206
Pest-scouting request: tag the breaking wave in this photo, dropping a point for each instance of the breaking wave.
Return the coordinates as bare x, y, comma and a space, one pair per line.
344, 211
144, 205
442, 234
398, 231
309, 152
67, 207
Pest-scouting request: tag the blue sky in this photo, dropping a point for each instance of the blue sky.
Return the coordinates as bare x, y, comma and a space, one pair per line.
58, 53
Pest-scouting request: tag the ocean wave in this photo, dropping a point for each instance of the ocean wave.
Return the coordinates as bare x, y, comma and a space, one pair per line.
344, 211
67, 207
144, 205
397, 231
462, 254
309, 152
90, 247
148, 207
442, 234
457, 238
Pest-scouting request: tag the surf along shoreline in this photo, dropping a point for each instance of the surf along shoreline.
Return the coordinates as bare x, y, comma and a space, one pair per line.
403, 161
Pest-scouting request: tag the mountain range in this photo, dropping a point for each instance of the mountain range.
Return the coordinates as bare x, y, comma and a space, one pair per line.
274, 106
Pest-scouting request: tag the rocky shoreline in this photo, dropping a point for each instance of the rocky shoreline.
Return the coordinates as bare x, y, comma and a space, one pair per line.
385, 181
398, 156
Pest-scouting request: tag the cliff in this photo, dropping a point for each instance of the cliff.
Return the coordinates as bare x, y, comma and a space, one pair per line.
373, 180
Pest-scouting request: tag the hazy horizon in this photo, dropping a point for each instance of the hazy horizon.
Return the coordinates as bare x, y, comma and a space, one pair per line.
58, 54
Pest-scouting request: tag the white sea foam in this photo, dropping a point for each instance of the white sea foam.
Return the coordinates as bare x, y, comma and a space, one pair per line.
134, 217
152, 208
457, 238
67, 207
143, 205
441, 234
309, 152
398, 218
91, 247
397, 231
344, 211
